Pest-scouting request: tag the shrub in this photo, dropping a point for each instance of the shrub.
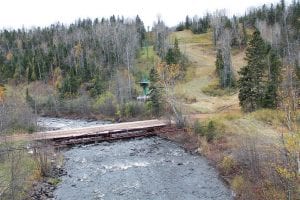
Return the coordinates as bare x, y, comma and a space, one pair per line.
133, 109
106, 104
238, 184
16, 114
180, 27
198, 129
16, 168
80, 104
211, 131
227, 165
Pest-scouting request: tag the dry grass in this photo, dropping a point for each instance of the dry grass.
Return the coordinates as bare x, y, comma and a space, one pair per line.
200, 51
187, 36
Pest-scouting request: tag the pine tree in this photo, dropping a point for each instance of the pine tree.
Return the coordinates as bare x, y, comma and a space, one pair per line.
98, 86
219, 63
244, 39
155, 94
187, 22
297, 68
140, 29
271, 94
251, 83
176, 51
173, 55
70, 84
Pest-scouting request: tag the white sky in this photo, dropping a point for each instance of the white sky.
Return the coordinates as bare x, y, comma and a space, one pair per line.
28, 13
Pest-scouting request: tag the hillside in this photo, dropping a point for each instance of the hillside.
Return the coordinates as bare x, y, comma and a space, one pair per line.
201, 74
241, 138
224, 107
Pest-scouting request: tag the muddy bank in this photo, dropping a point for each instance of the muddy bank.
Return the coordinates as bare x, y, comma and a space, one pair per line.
149, 168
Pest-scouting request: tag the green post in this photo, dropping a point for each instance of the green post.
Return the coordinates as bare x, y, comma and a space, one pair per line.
145, 85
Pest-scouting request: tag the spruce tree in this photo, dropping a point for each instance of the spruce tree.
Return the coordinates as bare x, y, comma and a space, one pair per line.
219, 63
297, 68
251, 83
271, 94
187, 22
155, 94
173, 55
244, 38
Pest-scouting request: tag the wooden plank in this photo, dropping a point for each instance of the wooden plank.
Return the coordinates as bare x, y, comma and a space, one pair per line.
89, 131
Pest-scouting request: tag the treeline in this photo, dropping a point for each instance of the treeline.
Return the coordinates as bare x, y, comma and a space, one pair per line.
271, 15
196, 24
67, 56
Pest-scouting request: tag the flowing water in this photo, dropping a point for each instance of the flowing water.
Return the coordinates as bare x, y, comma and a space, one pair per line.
148, 168
51, 123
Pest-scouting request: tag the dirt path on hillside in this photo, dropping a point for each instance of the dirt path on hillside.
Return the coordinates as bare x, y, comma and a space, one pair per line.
202, 58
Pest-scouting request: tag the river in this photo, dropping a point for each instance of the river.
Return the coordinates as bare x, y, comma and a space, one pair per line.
148, 168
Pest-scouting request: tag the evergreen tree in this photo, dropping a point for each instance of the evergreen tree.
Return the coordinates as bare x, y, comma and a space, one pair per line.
98, 86
155, 94
170, 58
176, 51
140, 29
271, 15
271, 94
244, 38
187, 22
297, 68
251, 83
70, 84
219, 63
173, 55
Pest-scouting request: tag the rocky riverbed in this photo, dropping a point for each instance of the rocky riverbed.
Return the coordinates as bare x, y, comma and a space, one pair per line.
52, 123
149, 168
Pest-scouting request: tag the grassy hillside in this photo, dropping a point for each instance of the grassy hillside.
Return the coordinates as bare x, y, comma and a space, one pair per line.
246, 147
201, 74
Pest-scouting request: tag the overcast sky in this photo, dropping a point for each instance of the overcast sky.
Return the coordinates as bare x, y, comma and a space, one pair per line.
27, 13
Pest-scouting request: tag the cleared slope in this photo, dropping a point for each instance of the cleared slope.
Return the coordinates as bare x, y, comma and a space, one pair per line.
201, 53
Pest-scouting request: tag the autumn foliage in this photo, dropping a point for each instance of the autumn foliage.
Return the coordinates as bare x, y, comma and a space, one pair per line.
2, 90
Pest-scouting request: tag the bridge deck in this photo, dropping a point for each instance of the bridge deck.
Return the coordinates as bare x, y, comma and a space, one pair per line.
90, 131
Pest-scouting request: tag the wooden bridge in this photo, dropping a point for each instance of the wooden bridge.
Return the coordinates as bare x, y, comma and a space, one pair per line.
94, 133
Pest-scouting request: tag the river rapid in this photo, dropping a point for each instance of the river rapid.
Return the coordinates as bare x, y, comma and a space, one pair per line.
148, 168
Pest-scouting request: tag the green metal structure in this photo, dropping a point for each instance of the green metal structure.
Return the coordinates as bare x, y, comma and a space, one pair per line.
145, 85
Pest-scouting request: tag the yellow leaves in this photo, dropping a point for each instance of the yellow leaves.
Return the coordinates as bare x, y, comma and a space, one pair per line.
285, 173
227, 164
9, 56
160, 67
57, 77
238, 183
173, 70
2, 90
292, 143
78, 49
168, 72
